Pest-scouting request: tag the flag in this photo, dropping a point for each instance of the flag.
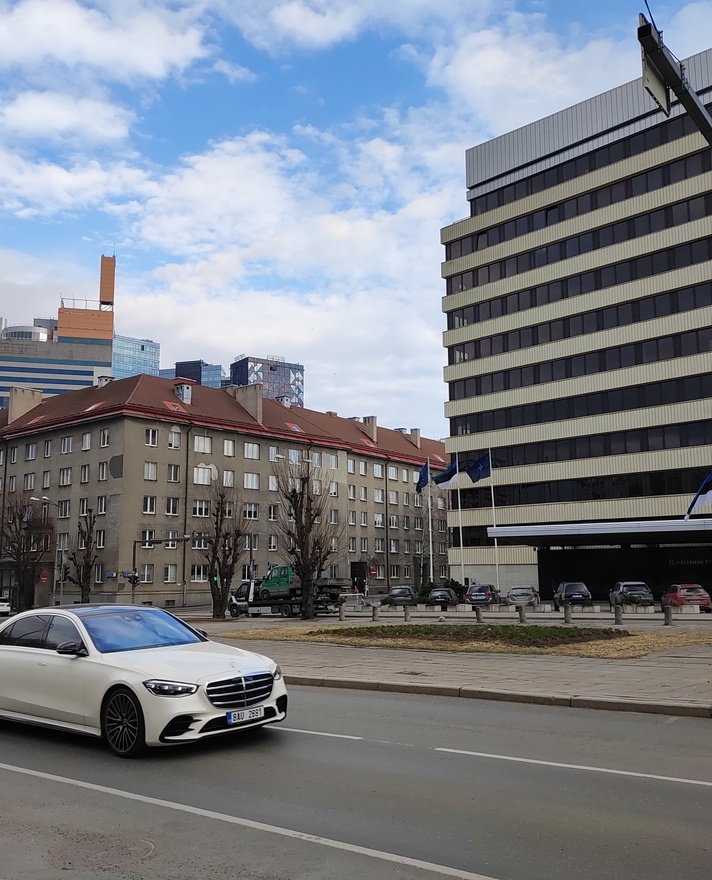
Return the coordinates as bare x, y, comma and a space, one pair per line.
424, 478
703, 497
447, 479
479, 469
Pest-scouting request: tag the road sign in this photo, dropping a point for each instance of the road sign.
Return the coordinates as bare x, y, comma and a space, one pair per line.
110, 574
43, 577
126, 574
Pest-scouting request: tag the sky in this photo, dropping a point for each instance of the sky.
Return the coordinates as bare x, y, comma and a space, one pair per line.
273, 175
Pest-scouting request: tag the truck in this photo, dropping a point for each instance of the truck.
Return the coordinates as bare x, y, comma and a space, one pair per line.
248, 599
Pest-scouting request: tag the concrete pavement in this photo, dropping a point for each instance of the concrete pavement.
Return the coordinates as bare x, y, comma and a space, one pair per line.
674, 682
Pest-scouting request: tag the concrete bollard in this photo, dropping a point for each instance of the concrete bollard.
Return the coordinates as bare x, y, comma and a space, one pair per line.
617, 615
522, 613
374, 612
567, 613
478, 613
406, 611
342, 612
667, 611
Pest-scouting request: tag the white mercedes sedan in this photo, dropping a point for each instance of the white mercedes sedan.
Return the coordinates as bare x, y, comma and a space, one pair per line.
135, 675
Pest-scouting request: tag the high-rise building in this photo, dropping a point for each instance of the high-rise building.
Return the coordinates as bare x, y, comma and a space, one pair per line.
279, 379
71, 352
132, 356
579, 333
210, 375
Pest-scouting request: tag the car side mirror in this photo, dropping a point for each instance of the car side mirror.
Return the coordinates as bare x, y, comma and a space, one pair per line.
72, 649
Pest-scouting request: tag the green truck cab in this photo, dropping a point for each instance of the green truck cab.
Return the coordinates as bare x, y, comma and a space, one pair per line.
281, 581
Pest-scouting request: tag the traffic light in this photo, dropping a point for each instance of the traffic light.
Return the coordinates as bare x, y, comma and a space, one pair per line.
64, 573
133, 579
213, 579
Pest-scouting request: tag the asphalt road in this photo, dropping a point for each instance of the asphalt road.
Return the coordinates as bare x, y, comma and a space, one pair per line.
370, 785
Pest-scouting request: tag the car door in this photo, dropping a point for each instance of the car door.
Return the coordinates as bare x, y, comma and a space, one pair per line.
19, 649
60, 679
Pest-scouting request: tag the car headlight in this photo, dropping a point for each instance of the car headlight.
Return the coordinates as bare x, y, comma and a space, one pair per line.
169, 688
277, 673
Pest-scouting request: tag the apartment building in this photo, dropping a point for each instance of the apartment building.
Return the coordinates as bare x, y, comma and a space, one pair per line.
579, 339
143, 453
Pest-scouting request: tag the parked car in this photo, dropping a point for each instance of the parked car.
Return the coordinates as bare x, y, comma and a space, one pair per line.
443, 596
136, 676
522, 594
677, 595
403, 596
571, 593
631, 593
5, 607
482, 594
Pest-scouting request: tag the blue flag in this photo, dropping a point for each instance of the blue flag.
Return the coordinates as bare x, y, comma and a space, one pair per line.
423, 479
703, 497
480, 469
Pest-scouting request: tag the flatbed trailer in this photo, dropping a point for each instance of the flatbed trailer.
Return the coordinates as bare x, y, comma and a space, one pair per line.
245, 602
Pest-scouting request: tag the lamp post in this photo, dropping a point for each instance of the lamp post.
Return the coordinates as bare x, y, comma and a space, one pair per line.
60, 554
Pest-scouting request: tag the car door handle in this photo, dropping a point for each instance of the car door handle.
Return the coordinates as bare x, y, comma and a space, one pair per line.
41, 663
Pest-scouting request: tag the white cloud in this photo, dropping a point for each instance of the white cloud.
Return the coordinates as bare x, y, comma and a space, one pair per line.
234, 73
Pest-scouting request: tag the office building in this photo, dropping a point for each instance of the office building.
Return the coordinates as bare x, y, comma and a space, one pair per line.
279, 379
579, 337
200, 372
132, 356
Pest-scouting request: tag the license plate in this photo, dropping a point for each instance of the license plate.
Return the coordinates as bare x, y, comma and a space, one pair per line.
245, 715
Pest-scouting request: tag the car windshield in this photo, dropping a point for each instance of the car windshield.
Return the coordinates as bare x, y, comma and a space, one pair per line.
520, 591
134, 629
692, 590
402, 592
635, 588
482, 589
575, 588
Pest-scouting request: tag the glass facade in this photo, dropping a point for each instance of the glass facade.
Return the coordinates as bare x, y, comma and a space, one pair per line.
132, 357
277, 377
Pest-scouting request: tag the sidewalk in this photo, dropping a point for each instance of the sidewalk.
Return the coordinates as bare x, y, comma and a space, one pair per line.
676, 682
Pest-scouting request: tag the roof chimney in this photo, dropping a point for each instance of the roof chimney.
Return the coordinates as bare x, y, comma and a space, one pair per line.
370, 427
285, 400
250, 397
184, 390
415, 437
104, 380
21, 401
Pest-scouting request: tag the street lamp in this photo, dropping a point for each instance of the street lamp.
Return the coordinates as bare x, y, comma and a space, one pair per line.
58, 566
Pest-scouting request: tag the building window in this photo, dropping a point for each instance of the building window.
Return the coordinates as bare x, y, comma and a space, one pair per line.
442, 548
405, 499
316, 487
272, 483
201, 508
333, 461
229, 507
66, 445
47, 448
170, 573
392, 520
252, 450
103, 470
83, 506
406, 572
63, 541
392, 472
418, 523
379, 496
333, 516
274, 453
29, 482
406, 522
84, 473
250, 510
171, 541
65, 476
104, 437
46, 479
172, 506
441, 503
63, 508
86, 441
145, 573
101, 505
251, 481
333, 489
379, 545
99, 573
149, 504
100, 539
378, 520
201, 443
378, 470
352, 492
150, 470
352, 545
200, 541
272, 542
229, 448
30, 452
405, 475
395, 571
252, 542
272, 512
11, 483
352, 517
201, 476
363, 493
174, 473
364, 518
417, 500
392, 497
198, 573
228, 479
334, 572
363, 468
151, 437
295, 456
174, 438
351, 465
364, 545
394, 545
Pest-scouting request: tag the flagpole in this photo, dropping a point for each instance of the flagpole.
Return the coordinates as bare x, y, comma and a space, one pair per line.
430, 521
494, 518
459, 510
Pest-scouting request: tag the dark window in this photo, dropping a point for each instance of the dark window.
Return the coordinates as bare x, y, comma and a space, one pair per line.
26, 632
61, 630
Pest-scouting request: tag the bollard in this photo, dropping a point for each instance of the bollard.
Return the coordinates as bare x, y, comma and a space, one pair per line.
667, 611
567, 613
522, 613
617, 615
478, 613
342, 612
374, 612
406, 610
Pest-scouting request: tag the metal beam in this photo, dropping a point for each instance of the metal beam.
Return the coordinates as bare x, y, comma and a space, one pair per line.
672, 73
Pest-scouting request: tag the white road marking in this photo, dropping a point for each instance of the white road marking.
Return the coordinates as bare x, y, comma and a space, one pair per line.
319, 733
682, 779
255, 826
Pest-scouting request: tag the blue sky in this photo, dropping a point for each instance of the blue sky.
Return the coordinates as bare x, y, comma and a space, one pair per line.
273, 174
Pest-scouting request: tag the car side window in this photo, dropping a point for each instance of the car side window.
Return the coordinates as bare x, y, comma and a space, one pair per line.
25, 633
60, 630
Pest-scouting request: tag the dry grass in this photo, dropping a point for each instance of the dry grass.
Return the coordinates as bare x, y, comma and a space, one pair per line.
624, 646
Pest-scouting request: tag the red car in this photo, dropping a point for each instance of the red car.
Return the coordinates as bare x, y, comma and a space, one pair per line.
687, 594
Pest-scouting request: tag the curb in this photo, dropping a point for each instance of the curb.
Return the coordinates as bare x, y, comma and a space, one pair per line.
611, 704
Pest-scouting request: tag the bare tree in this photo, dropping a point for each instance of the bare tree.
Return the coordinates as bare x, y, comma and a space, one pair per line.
83, 557
26, 539
305, 522
224, 545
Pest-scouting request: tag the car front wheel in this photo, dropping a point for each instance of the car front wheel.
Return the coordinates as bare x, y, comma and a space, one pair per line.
122, 724
234, 611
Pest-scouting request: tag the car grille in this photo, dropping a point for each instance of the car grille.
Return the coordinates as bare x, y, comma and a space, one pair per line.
240, 692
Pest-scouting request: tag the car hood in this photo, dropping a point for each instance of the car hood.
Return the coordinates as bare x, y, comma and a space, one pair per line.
197, 663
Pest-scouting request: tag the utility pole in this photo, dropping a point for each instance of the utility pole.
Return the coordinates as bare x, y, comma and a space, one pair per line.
662, 72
